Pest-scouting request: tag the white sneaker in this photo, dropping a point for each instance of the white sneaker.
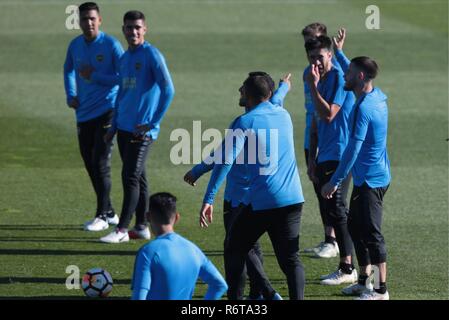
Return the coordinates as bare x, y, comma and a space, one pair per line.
328, 250
96, 224
357, 289
373, 295
114, 220
139, 234
314, 249
115, 237
339, 277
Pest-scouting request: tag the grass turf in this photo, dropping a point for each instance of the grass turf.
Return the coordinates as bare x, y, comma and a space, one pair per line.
45, 194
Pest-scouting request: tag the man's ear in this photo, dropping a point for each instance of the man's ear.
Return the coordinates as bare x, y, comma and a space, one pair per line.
177, 217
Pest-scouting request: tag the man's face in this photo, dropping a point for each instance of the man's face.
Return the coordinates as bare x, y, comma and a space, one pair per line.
90, 22
321, 58
134, 31
352, 76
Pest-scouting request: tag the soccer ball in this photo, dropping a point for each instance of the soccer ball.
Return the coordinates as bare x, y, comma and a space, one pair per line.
97, 282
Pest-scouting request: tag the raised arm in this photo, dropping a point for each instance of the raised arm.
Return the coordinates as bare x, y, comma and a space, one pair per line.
281, 92
326, 110
339, 41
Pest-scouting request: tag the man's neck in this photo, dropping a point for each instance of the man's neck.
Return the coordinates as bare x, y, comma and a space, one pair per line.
326, 70
134, 47
365, 89
91, 39
163, 229
251, 105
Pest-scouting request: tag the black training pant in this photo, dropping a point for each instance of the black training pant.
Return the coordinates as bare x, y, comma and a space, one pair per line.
365, 221
96, 155
133, 152
282, 225
335, 209
258, 281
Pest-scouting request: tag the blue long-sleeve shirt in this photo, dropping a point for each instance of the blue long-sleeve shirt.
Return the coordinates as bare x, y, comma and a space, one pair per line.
366, 153
308, 103
333, 136
168, 267
237, 182
146, 90
266, 132
98, 94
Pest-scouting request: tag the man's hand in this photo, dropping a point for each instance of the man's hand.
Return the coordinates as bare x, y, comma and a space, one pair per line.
74, 103
313, 77
190, 178
109, 136
311, 168
206, 215
339, 40
328, 190
286, 79
86, 71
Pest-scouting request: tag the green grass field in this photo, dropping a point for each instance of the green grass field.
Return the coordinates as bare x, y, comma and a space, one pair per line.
45, 194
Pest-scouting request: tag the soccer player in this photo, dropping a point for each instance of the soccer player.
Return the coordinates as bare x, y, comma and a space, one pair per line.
329, 247
262, 140
328, 138
168, 267
366, 157
91, 83
146, 91
235, 190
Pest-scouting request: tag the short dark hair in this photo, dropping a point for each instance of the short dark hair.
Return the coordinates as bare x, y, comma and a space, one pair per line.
162, 207
259, 84
87, 6
367, 65
321, 42
314, 28
133, 15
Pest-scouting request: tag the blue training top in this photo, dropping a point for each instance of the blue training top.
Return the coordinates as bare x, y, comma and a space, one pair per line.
146, 90
98, 94
366, 152
333, 136
237, 181
308, 103
168, 267
266, 132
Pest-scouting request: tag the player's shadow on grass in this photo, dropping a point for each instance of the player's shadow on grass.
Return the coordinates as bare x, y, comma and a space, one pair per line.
26, 227
49, 239
81, 297
218, 253
48, 252
16, 280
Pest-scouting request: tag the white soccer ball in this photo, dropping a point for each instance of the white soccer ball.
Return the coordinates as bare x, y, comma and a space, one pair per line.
97, 282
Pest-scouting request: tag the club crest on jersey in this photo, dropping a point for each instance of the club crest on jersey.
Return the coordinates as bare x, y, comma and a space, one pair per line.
99, 57
138, 65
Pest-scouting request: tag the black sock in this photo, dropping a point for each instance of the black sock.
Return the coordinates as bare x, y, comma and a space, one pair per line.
362, 279
382, 288
329, 239
346, 267
110, 214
